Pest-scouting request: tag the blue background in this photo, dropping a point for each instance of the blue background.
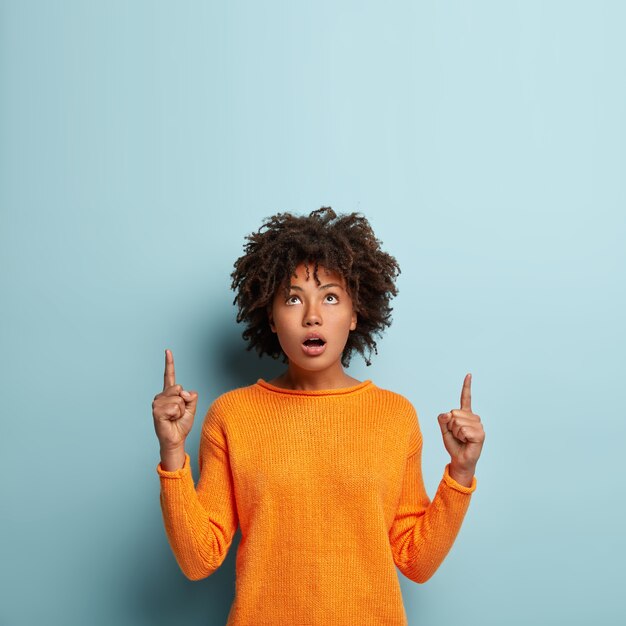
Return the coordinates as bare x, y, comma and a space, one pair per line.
141, 141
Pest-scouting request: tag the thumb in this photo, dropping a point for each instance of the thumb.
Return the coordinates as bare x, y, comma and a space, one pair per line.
443, 419
191, 400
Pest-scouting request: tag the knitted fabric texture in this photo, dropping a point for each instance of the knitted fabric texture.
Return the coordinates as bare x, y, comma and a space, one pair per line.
327, 488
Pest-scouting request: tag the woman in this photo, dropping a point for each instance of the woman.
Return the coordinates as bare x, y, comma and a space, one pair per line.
321, 471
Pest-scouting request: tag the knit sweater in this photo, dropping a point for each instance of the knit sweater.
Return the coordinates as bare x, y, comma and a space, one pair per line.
327, 488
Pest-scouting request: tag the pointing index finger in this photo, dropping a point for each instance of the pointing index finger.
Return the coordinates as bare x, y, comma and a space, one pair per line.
169, 378
466, 393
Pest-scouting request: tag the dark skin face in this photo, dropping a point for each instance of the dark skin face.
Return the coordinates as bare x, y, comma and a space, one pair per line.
327, 310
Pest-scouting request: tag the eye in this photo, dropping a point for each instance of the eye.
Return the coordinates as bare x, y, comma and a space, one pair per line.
332, 295
290, 298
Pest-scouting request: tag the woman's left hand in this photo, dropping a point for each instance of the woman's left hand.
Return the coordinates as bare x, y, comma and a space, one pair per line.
463, 435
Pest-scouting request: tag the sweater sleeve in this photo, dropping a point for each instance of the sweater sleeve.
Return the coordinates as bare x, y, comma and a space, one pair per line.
200, 523
423, 532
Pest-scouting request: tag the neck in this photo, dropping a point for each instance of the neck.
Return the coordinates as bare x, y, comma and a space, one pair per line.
298, 379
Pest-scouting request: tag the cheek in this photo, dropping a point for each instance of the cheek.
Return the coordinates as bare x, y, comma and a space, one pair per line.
348, 317
273, 317
283, 325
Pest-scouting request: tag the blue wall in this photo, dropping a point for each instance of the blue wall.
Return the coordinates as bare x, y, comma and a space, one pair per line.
141, 141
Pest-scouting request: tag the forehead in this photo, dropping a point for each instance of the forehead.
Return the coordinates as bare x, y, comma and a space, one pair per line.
324, 275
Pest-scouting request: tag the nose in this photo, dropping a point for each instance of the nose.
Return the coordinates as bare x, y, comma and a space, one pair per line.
312, 317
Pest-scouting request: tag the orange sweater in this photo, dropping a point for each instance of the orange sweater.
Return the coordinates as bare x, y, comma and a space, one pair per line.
327, 488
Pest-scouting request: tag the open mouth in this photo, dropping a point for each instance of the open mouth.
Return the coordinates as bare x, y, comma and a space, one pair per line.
314, 342
313, 347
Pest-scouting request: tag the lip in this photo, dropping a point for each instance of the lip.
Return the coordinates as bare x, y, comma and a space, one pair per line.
314, 336
313, 350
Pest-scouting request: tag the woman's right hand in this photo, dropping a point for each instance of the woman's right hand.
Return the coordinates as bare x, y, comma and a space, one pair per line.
173, 409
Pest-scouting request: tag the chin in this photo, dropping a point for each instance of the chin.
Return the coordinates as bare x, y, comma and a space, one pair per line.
313, 364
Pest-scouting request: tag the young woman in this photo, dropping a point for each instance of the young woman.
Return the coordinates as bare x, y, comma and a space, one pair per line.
321, 471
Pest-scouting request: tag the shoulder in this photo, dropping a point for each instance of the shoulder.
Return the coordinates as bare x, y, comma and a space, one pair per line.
404, 415
237, 397
226, 405
394, 400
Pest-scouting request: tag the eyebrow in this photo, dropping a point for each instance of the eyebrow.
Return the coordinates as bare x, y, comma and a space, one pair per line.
322, 287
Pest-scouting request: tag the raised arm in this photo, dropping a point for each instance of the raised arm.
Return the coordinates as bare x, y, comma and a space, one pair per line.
200, 523
423, 531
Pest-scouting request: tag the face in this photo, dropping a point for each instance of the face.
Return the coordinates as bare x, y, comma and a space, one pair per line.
308, 309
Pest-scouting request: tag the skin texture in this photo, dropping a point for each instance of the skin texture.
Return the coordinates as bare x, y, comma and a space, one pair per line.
326, 309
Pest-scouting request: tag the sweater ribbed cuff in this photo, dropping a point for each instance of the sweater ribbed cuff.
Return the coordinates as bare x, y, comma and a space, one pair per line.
452, 483
179, 473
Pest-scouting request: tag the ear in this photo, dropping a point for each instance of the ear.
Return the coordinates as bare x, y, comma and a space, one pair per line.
354, 321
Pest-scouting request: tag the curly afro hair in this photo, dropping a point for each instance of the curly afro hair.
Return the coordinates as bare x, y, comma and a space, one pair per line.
345, 244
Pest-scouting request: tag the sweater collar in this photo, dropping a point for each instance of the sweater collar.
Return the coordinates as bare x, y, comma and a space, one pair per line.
340, 391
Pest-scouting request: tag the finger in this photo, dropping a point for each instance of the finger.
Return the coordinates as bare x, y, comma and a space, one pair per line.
168, 399
174, 390
466, 393
191, 400
188, 396
470, 434
456, 413
444, 423
169, 378
173, 412
458, 422
460, 431
455, 422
